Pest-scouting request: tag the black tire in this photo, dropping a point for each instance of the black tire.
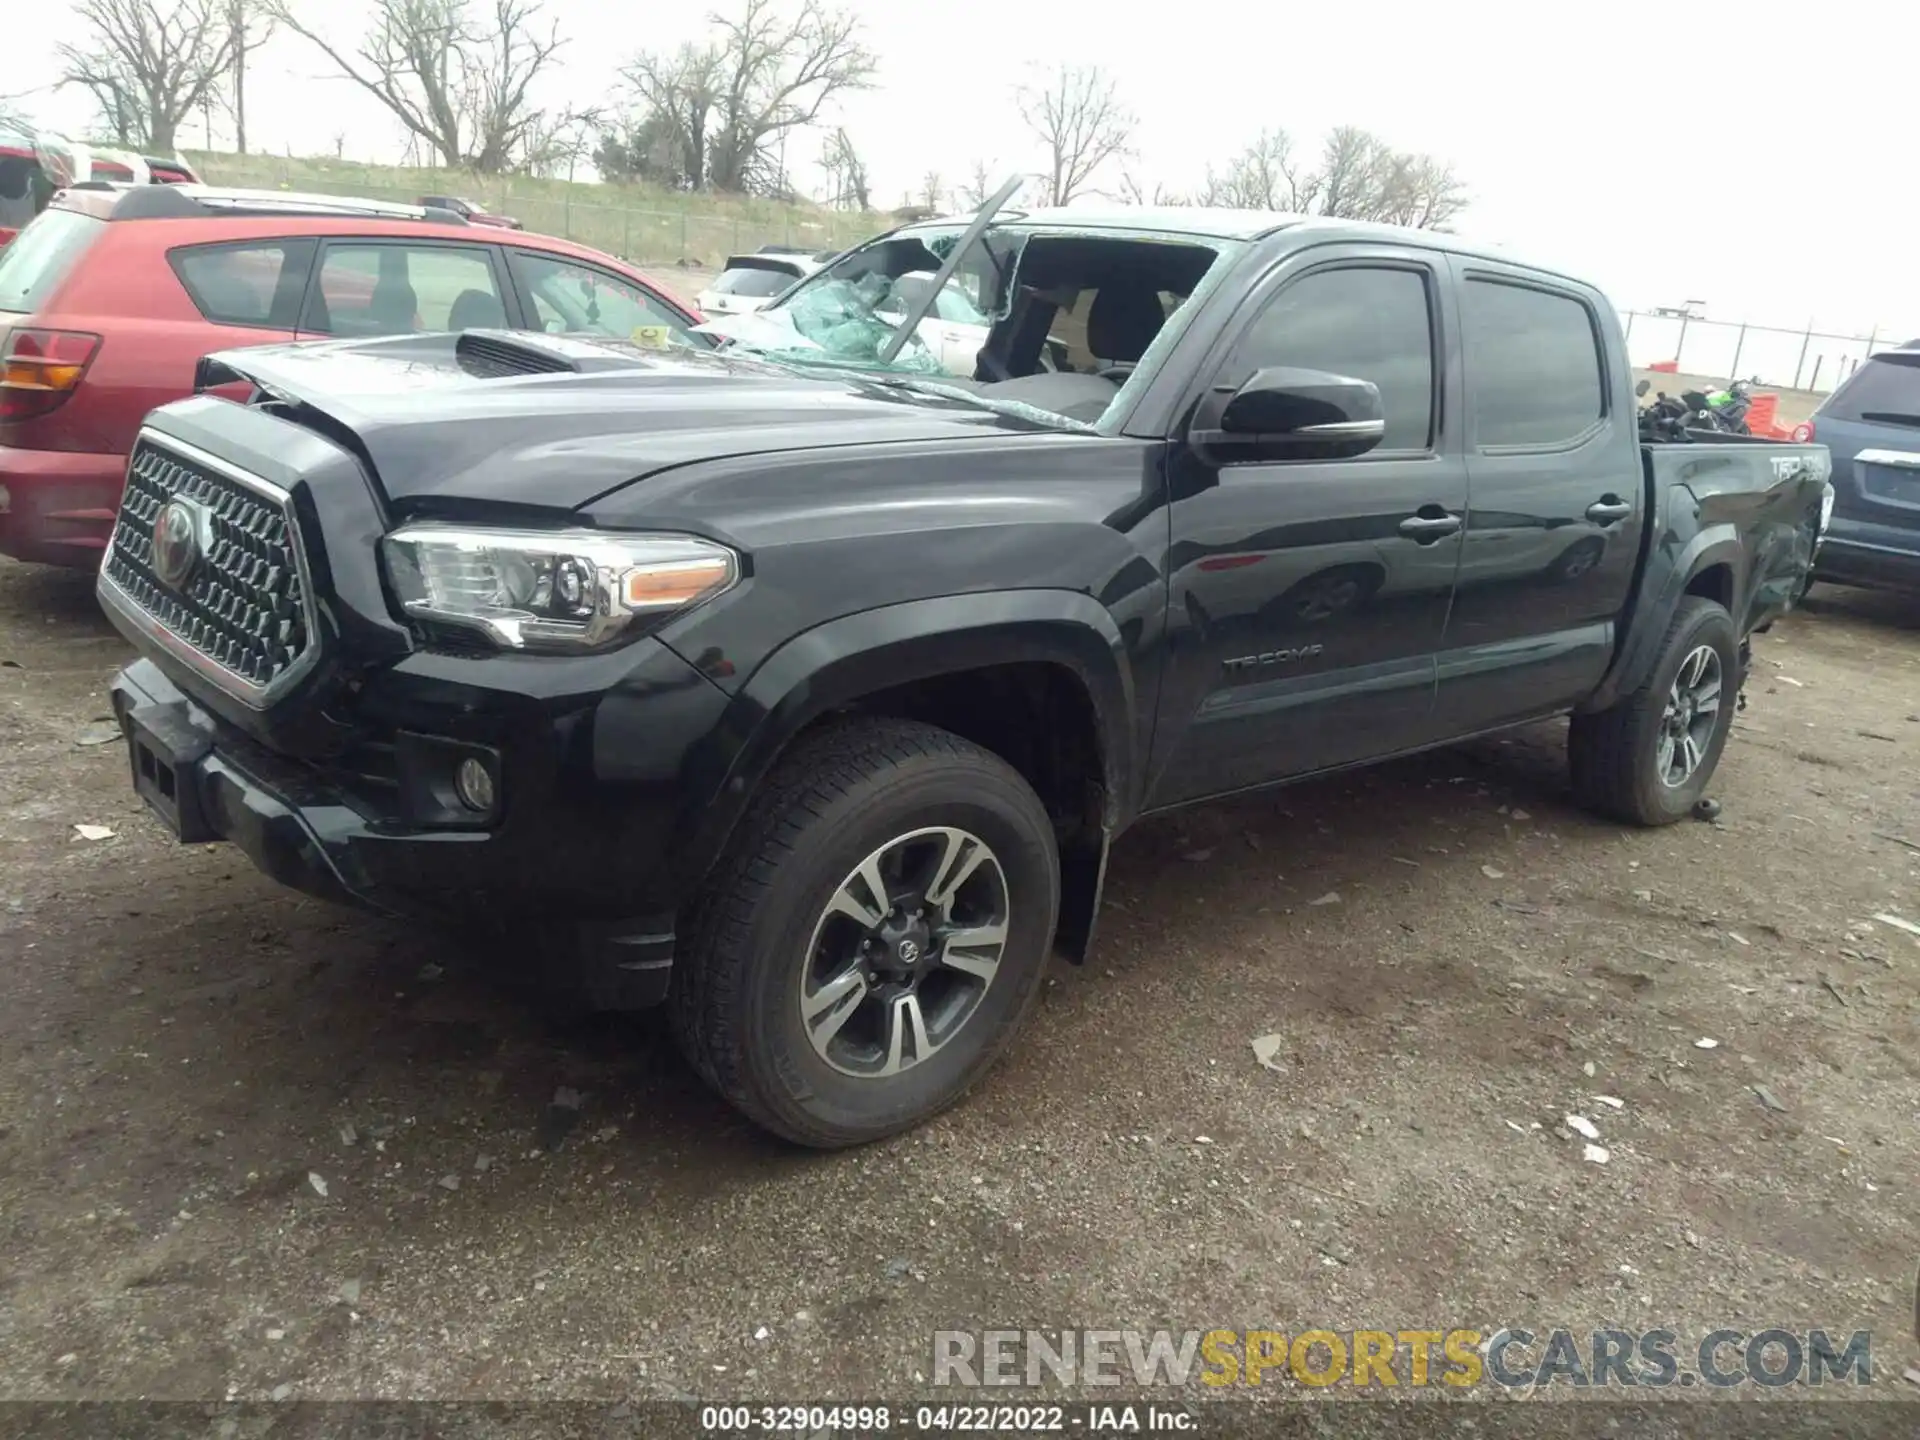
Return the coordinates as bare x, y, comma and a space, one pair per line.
1614, 754
839, 797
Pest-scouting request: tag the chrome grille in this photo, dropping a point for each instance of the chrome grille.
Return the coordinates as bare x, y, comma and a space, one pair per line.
243, 609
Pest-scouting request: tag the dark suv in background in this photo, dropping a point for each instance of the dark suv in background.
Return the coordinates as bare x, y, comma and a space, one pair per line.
1871, 425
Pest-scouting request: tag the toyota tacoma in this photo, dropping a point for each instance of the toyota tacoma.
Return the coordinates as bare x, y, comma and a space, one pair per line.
804, 686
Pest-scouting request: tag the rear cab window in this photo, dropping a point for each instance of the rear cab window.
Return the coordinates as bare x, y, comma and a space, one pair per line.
257, 284
42, 256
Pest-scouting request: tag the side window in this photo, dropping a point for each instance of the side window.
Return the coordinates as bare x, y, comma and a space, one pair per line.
579, 299
1371, 323
1533, 364
398, 289
258, 285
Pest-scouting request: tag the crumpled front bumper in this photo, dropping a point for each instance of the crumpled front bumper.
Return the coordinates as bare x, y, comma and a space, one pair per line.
205, 782
202, 793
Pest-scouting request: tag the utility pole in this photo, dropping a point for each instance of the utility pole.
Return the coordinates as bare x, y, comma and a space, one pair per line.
237, 21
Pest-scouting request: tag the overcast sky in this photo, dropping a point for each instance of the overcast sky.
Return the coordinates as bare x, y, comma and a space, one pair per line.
1752, 155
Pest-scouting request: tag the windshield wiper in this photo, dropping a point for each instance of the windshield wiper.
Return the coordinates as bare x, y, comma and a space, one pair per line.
982, 218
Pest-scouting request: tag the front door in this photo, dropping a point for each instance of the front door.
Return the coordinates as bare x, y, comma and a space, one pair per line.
1308, 597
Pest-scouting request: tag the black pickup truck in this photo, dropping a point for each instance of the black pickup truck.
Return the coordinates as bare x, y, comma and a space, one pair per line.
803, 685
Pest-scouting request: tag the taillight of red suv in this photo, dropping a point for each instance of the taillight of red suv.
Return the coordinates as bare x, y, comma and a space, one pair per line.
40, 369
1803, 433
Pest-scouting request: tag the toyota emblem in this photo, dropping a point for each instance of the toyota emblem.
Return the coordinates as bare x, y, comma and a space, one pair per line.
176, 543
909, 952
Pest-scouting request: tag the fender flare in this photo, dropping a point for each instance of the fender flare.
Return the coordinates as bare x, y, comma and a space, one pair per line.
837, 663
1715, 545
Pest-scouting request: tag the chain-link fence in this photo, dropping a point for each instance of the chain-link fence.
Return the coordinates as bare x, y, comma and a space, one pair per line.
1806, 359
701, 233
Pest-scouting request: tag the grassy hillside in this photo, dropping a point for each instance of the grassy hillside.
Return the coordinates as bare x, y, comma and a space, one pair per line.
639, 223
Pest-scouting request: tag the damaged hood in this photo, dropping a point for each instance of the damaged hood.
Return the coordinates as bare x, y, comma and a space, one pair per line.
517, 419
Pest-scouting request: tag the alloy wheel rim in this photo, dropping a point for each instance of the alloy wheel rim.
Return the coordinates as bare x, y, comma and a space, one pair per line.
904, 951
1692, 710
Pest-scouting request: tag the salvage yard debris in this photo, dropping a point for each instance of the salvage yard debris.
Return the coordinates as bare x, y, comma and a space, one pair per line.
1897, 923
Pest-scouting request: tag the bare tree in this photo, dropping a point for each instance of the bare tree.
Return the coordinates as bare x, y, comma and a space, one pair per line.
846, 174
678, 94
1421, 192
1078, 116
1134, 192
1264, 176
455, 74
979, 185
251, 26
933, 189
556, 145
1359, 177
149, 64
731, 103
1350, 173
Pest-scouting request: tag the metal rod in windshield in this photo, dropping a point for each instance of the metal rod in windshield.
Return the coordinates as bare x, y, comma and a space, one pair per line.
982, 218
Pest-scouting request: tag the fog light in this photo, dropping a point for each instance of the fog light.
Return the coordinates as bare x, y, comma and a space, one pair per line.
473, 783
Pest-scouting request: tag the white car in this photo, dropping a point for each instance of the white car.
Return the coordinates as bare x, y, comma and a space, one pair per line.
750, 281
953, 330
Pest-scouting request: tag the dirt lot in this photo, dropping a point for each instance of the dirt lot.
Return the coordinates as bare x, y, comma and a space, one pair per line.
1452, 956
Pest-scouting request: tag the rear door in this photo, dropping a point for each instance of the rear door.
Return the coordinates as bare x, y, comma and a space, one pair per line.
1554, 482
1871, 426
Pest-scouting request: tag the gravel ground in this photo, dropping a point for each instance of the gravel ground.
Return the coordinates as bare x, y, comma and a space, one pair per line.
252, 1146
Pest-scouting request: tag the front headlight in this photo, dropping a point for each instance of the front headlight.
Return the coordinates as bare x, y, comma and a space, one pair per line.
553, 590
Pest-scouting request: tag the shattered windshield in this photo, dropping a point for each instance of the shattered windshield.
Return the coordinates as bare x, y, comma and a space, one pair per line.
851, 311
1043, 325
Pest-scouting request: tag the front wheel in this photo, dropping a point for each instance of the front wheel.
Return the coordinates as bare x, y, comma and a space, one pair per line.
874, 937
1647, 758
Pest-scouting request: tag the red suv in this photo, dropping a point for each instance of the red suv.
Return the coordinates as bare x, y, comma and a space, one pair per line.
109, 297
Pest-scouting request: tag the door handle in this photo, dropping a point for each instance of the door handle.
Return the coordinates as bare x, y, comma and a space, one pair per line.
1425, 529
1605, 512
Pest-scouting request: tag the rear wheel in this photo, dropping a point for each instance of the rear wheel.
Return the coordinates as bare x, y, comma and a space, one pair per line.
874, 937
1648, 758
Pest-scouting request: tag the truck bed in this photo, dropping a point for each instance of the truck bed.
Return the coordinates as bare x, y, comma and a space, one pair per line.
1727, 518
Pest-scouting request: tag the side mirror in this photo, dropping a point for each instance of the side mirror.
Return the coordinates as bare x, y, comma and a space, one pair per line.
1282, 413
1642, 388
